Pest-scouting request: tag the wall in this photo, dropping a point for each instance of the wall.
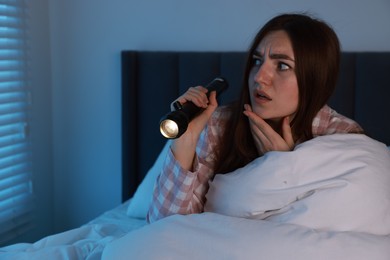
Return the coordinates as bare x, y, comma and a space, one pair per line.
86, 38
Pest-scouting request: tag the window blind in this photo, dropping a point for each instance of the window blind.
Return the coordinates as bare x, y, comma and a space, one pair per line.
16, 197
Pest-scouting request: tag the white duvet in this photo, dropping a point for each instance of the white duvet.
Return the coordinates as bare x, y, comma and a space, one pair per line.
85, 243
327, 199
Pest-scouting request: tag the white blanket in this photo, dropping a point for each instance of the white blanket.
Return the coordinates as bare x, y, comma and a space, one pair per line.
214, 236
86, 242
327, 199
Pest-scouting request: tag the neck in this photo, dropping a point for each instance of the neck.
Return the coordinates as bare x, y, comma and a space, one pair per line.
276, 124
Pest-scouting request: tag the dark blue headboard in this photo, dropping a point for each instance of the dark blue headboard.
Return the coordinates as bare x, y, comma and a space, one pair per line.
152, 80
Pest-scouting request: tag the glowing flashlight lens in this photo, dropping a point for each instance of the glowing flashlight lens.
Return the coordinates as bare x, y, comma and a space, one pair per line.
169, 128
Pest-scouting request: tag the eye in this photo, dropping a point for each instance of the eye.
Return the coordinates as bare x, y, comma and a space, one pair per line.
283, 66
257, 61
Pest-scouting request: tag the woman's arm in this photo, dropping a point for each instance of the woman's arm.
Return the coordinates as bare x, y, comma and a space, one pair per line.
180, 186
181, 191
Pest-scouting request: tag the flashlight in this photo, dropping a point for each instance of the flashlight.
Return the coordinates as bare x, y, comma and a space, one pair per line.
175, 123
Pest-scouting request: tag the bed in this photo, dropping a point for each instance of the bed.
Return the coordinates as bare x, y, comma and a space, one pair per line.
150, 81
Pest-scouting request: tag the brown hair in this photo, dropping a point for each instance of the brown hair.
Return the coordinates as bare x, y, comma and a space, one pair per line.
317, 56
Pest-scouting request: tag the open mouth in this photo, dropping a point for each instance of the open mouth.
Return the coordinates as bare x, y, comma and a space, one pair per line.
262, 95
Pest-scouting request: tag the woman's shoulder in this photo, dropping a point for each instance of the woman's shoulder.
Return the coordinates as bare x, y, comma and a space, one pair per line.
218, 120
221, 115
223, 111
328, 121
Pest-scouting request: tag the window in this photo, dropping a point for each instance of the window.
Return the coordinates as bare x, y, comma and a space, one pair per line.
16, 198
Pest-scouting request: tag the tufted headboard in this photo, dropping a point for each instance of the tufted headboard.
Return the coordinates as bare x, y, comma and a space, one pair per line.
152, 80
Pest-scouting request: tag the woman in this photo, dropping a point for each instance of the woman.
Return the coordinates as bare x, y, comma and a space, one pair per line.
291, 72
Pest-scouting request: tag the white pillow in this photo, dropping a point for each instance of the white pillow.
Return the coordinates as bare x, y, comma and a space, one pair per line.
338, 182
140, 202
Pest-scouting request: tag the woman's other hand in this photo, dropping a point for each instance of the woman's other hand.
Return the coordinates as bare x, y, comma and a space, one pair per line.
266, 138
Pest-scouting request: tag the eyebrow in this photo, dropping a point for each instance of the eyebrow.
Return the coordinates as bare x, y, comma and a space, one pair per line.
275, 56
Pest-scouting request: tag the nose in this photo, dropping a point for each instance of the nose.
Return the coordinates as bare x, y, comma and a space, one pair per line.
263, 76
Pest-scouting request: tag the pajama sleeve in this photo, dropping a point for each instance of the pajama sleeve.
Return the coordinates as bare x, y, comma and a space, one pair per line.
178, 191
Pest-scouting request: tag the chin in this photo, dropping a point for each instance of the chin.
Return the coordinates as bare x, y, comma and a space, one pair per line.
269, 116
263, 114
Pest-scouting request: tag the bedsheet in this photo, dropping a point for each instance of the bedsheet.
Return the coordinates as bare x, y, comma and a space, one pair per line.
327, 199
215, 236
85, 242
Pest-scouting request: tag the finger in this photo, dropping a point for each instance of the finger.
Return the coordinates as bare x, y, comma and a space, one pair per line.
268, 139
213, 98
248, 107
259, 134
201, 119
287, 133
255, 122
196, 95
212, 106
261, 141
263, 126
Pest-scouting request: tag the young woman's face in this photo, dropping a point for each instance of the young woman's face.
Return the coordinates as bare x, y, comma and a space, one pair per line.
272, 81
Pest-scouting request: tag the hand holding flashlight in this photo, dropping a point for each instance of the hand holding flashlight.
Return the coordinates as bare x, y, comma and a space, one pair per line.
175, 123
